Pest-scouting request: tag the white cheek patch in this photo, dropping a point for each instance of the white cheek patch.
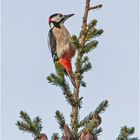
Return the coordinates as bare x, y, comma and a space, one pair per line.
51, 25
56, 19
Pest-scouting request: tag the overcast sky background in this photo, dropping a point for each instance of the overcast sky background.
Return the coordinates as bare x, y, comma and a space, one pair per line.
26, 62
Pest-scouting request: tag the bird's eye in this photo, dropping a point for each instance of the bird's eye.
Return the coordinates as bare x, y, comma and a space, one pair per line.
60, 15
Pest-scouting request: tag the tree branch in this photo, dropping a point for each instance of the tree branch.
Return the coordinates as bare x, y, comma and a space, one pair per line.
96, 7
75, 110
84, 30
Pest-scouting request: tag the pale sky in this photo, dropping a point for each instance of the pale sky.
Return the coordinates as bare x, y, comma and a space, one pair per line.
26, 62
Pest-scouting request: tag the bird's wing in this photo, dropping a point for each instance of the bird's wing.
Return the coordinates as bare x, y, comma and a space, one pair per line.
52, 45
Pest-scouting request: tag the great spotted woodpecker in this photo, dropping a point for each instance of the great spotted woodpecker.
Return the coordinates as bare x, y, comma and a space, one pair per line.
59, 41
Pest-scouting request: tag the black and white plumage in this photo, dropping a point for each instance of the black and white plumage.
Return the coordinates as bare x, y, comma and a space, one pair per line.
59, 41
52, 45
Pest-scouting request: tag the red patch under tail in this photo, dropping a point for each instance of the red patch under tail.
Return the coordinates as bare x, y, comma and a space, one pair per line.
66, 64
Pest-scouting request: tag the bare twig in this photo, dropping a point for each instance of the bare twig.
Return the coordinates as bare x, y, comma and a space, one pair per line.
84, 30
84, 25
96, 7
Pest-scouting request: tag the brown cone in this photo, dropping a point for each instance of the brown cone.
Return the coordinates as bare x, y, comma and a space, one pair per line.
67, 133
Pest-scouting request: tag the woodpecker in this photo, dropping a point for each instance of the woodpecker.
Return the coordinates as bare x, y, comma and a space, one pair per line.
59, 42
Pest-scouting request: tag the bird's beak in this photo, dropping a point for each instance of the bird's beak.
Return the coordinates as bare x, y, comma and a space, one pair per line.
68, 16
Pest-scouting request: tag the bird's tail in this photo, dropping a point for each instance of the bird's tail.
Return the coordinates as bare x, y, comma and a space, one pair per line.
66, 64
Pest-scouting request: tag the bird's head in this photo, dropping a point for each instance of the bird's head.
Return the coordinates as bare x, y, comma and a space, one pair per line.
57, 19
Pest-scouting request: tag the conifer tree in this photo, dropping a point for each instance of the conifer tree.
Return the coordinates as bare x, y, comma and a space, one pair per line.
89, 127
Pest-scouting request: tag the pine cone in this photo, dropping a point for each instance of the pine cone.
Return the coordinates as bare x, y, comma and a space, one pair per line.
42, 137
83, 136
91, 137
67, 133
88, 136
